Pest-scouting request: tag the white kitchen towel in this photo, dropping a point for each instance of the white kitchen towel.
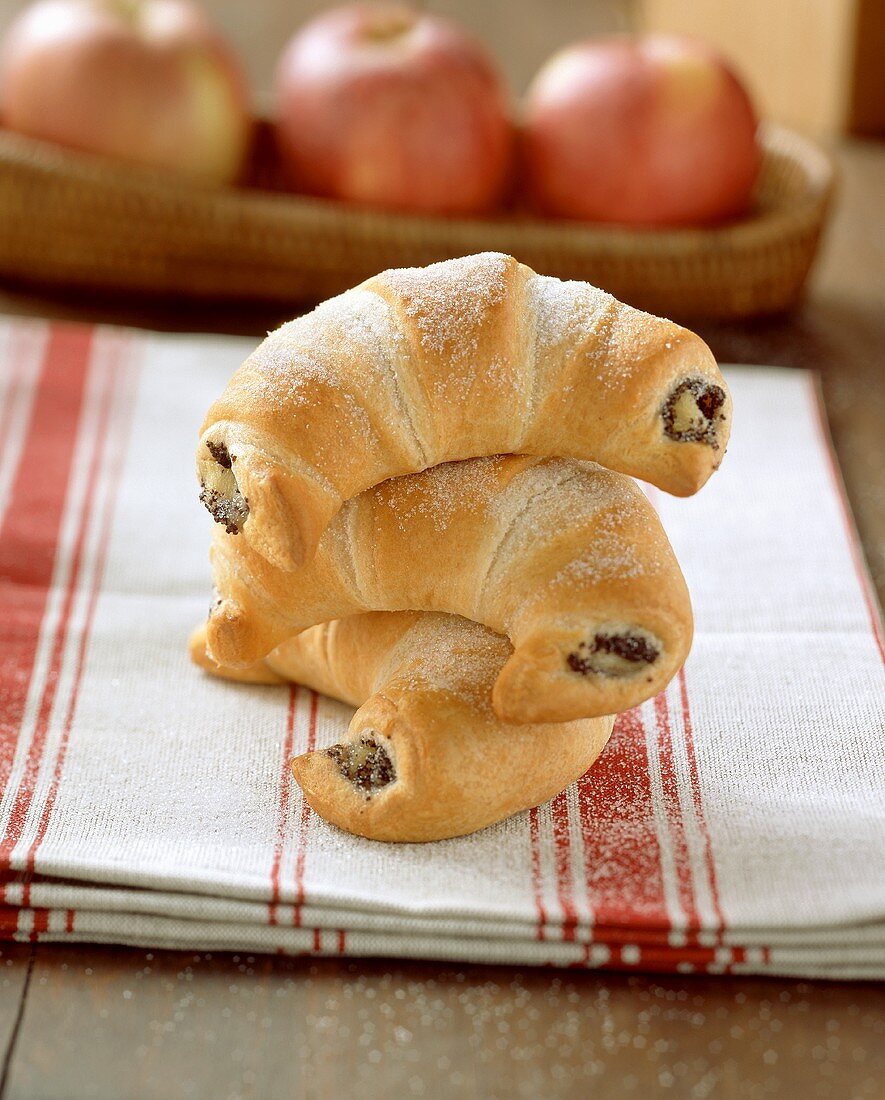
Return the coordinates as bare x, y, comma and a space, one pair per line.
735, 823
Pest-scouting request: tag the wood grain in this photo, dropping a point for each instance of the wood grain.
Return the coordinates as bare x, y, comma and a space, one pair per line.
165, 1025
16, 966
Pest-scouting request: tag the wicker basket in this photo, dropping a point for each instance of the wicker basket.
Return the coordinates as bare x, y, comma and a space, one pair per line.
76, 220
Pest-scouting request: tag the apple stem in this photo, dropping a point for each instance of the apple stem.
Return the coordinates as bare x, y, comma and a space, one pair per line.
388, 25
130, 10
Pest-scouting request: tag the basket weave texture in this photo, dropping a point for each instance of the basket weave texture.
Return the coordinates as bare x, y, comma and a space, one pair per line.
76, 220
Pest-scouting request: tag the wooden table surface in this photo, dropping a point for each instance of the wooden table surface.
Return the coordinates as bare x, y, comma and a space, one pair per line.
114, 1022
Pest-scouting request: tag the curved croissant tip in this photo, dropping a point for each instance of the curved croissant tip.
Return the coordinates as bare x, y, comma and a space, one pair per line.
695, 419
284, 548
515, 691
689, 477
278, 525
196, 646
531, 689
343, 784
231, 638
301, 766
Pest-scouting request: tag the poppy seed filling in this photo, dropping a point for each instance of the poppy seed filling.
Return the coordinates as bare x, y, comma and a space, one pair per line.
691, 412
613, 654
220, 453
223, 499
230, 512
366, 764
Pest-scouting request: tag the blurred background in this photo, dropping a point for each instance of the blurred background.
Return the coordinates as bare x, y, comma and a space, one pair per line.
94, 243
522, 33
814, 64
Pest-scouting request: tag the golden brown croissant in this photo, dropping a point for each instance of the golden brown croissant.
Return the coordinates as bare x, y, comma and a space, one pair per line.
565, 558
469, 357
424, 758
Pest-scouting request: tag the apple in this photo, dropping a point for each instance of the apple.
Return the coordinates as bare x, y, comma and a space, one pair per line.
149, 82
388, 107
652, 131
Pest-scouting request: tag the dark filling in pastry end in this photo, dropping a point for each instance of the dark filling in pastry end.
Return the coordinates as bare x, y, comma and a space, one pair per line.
613, 655
229, 507
691, 412
365, 764
230, 512
221, 454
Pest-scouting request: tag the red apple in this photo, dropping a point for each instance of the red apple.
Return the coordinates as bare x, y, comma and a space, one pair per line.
654, 131
145, 81
388, 107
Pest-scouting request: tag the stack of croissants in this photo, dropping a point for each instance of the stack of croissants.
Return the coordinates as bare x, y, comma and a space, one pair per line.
425, 507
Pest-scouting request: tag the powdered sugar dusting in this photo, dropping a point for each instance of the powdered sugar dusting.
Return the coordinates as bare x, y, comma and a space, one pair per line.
574, 318
564, 493
454, 655
359, 318
446, 491
608, 506
542, 498
610, 557
615, 552
325, 365
565, 312
354, 326
449, 300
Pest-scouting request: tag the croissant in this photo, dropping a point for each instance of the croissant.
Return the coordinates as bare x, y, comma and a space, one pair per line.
565, 558
465, 358
424, 758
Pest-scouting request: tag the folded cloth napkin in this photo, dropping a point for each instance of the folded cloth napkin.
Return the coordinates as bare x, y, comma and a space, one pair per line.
735, 823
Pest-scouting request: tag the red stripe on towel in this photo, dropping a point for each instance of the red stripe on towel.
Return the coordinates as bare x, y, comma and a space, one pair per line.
304, 820
117, 443
283, 815
30, 528
40, 924
622, 858
636, 956
562, 857
673, 811
694, 775
36, 749
9, 917
534, 837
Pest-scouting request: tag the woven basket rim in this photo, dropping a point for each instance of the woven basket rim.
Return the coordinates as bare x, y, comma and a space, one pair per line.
805, 207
